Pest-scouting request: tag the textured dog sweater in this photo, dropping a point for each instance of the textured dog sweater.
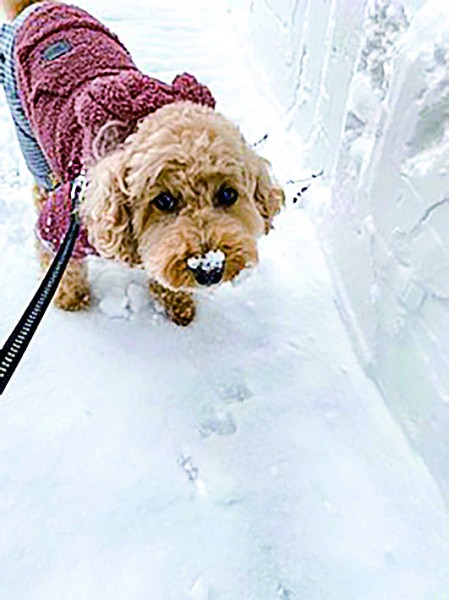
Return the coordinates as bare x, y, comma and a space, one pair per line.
75, 76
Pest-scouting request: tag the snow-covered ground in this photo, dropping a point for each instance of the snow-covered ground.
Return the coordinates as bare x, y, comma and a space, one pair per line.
246, 457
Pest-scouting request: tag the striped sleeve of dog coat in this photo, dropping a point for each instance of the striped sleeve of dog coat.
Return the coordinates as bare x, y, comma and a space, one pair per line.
34, 157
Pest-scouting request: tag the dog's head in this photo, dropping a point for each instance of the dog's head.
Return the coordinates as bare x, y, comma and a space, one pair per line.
184, 197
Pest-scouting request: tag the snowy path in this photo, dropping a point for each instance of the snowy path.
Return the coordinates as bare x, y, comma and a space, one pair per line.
244, 458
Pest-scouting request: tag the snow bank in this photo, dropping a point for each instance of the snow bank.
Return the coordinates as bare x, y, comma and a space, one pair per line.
365, 87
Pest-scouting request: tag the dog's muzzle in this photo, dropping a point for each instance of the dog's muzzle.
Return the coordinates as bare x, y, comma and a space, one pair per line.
209, 268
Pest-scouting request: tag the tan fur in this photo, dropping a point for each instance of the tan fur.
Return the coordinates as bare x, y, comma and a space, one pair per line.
39, 196
12, 8
73, 291
189, 151
179, 306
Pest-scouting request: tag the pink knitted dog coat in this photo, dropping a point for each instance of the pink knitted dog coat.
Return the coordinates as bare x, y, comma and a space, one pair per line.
74, 77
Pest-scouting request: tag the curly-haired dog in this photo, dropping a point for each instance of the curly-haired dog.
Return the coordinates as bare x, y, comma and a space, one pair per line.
173, 186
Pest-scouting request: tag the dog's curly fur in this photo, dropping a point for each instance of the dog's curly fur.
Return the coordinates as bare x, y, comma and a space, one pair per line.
190, 151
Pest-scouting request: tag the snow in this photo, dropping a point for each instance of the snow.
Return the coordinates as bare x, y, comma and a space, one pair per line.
211, 261
246, 457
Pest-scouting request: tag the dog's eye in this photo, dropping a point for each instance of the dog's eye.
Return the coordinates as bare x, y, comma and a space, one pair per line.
165, 202
227, 196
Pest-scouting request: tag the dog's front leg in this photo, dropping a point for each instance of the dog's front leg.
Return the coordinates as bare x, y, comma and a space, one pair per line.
179, 306
73, 291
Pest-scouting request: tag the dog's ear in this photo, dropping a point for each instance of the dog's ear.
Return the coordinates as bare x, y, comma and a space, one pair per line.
107, 212
268, 197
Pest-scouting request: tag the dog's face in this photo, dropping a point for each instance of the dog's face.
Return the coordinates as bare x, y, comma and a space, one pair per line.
185, 197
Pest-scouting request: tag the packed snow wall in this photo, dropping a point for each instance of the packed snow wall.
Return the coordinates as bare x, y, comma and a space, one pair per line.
365, 87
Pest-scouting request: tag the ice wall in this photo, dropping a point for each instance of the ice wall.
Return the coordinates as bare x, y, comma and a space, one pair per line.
365, 86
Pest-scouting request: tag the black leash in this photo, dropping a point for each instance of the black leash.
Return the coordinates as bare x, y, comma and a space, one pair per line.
17, 343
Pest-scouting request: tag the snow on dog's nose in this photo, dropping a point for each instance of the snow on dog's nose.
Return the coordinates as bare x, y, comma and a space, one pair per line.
209, 268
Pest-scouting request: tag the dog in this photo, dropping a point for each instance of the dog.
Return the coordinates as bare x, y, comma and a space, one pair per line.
173, 187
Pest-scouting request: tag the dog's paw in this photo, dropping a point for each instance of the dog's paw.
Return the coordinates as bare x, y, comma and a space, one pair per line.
182, 311
73, 301
179, 306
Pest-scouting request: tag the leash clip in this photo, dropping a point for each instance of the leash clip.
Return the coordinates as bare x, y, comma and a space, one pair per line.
77, 192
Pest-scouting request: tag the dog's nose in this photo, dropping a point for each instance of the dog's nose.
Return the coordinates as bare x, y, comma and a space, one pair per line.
209, 268
208, 277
